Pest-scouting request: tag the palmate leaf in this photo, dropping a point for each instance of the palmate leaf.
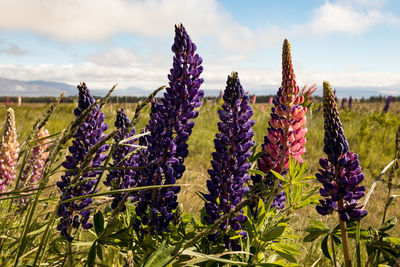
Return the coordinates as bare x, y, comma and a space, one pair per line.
315, 230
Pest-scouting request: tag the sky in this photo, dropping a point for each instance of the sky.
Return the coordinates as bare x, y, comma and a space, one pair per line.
354, 44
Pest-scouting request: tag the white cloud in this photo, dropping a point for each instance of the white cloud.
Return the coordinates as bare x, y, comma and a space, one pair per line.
349, 17
98, 20
338, 18
149, 77
116, 56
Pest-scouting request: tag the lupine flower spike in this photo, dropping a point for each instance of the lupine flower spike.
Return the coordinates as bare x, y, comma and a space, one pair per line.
229, 165
340, 173
285, 137
350, 103
9, 149
344, 100
75, 213
123, 156
35, 165
170, 126
387, 104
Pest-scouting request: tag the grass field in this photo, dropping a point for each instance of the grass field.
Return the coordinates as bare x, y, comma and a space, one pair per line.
370, 132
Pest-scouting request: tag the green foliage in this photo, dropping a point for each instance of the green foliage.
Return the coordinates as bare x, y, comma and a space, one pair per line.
273, 236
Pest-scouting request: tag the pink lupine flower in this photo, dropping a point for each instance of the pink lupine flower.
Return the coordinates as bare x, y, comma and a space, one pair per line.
35, 165
9, 150
285, 137
253, 100
271, 99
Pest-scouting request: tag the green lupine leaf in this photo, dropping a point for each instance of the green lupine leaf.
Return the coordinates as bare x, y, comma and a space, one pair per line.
274, 233
279, 176
254, 171
324, 247
98, 222
389, 224
92, 255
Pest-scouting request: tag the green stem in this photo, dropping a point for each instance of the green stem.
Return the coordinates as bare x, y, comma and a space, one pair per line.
69, 255
378, 255
345, 238
358, 244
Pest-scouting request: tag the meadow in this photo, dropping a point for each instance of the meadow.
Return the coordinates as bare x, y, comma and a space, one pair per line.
371, 134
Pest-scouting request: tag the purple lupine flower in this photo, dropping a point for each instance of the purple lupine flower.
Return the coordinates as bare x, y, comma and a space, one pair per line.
170, 126
91, 131
387, 104
285, 137
341, 172
343, 103
9, 150
35, 165
350, 103
229, 165
122, 156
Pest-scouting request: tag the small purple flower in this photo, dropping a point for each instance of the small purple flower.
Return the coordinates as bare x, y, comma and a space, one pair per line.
170, 126
340, 173
228, 175
73, 214
123, 157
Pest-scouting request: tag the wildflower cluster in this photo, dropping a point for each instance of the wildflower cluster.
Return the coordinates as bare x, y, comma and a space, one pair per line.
228, 175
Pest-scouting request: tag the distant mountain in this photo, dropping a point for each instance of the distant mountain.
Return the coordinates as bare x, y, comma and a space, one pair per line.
69, 89
10, 87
